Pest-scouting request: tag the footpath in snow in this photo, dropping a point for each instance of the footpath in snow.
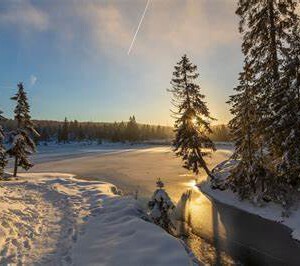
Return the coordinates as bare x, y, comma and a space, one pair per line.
56, 219
269, 210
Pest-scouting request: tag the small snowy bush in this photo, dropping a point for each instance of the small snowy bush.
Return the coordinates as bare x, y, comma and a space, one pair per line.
160, 207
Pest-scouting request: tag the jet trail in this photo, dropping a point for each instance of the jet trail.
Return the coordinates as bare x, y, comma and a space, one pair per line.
138, 28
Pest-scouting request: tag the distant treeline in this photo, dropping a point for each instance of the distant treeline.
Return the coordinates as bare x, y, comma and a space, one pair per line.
67, 131
220, 133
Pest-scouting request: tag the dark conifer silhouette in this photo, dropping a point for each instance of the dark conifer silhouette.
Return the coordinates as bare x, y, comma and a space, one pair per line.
22, 145
65, 131
132, 130
271, 46
243, 127
3, 160
192, 125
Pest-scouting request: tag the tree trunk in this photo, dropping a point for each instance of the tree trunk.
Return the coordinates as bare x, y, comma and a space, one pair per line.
208, 172
16, 167
203, 163
273, 45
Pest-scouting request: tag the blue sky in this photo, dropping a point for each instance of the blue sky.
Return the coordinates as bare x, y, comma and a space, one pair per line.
72, 56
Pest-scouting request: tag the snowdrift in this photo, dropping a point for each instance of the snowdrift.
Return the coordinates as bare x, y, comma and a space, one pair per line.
56, 219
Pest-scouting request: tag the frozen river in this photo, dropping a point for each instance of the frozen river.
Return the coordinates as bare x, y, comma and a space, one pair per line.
220, 234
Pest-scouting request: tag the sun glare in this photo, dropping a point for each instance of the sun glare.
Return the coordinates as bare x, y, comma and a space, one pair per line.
194, 121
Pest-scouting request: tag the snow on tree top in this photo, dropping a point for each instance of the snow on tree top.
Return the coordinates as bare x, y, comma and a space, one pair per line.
159, 183
161, 195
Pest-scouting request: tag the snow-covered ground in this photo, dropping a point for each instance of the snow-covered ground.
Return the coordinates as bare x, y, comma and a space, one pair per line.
55, 219
269, 211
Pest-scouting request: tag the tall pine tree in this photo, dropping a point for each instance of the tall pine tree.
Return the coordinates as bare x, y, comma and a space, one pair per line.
22, 145
242, 127
132, 129
192, 124
286, 124
3, 160
65, 131
271, 48
267, 27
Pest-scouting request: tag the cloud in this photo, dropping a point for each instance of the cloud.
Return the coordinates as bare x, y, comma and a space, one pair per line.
169, 24
196, 23
23, 15
33, 80
106, 24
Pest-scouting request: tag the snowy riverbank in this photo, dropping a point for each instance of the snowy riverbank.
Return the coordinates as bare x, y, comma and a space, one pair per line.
55, 219
270, 211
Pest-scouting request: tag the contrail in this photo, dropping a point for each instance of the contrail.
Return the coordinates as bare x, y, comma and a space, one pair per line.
138, 28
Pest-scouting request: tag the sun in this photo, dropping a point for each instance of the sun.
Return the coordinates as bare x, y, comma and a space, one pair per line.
194, 121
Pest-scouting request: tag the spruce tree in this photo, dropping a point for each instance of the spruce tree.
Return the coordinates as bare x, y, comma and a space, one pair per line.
65, 131
59, 134
22, 145
132, 130
3, 160
287, 117
268, 29
81, 135
192, 125
283, 97
242, 126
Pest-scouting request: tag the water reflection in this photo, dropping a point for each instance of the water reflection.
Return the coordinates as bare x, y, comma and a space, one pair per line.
206, 251
215, 224
221, 235
200, 224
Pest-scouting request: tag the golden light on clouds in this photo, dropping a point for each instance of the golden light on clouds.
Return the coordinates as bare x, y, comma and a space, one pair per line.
170, 25
98, 34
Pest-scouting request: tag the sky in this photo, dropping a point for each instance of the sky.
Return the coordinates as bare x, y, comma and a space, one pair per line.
72, 56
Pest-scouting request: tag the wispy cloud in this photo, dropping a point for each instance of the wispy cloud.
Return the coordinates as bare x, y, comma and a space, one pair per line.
108, 26
24, 15
197, 26
33, 80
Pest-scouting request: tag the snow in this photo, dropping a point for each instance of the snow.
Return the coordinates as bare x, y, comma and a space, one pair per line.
161, 195
125, 239
51, 151
56, 219
270, 211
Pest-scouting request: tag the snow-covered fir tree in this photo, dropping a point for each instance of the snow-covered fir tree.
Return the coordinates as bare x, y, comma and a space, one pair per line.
3, 160
22, 145
287, 122
192, 125
266, 26
160, 207
242, 126
269, 46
